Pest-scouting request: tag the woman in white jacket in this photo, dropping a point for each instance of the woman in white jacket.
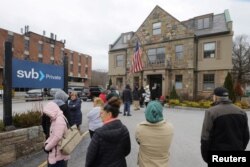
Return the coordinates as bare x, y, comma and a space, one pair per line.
94, 116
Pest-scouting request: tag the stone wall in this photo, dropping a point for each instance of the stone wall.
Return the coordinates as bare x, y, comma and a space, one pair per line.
18, 143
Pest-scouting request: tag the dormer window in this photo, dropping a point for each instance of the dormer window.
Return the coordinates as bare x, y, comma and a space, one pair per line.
203, 23
126, 38
157, 28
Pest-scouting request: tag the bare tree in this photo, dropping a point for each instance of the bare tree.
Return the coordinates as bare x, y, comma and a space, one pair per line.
241, 59
99, 78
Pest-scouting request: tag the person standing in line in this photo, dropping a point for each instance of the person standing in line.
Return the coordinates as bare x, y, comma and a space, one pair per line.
75, 110
103, 96
154, 137
141, 93
225, 126
61, 100
94, 116
127, 100
110, 143
57, 129
113, 93
147, 95
136, 98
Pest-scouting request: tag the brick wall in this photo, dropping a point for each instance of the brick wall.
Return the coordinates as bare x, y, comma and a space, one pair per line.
19, 143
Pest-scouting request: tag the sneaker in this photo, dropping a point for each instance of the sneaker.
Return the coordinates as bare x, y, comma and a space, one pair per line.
124, 114
129, 115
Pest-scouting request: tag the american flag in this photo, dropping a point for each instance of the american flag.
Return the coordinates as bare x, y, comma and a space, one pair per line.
136, 60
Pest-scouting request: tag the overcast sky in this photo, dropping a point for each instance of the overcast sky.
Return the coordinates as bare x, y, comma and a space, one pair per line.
89, 26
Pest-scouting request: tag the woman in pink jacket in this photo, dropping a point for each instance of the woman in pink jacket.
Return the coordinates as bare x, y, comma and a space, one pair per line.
57, 129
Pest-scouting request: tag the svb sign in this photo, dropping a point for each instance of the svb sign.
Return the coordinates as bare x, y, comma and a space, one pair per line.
27, 74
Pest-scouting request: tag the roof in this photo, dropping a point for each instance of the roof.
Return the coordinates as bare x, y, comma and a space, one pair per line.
119, 43
218, 25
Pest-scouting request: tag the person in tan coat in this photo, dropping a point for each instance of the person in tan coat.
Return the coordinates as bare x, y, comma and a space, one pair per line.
154, 137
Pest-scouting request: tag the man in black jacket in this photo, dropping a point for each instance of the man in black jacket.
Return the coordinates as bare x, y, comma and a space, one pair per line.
127, 100
225, 126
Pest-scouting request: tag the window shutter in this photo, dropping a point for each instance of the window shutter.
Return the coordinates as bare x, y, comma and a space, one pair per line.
218, 56
200, 52
200, 78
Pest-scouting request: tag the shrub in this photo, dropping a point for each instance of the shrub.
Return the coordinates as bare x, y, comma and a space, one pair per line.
27, 119
173, 94
174, 102
205, 103
1, 126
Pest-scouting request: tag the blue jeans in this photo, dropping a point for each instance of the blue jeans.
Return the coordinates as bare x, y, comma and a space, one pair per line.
126, 107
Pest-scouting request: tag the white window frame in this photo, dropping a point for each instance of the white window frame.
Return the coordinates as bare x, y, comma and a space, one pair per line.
209, 50
157, 28
179, 52
208, 83
178, 81
119, 60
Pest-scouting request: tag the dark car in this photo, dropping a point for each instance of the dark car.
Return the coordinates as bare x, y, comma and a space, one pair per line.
94, 91
82, 92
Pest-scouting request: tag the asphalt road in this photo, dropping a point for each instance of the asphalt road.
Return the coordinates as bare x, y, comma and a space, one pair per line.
185, 148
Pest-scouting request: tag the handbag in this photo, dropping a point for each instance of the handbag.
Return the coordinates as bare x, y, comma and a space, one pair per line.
70, 139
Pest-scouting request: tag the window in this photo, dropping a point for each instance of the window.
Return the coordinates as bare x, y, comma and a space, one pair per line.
126, 38
71, 67
26, 57
203, 23
10, 38
157, 28
71, 57
179, 52
86, 70
119, 61
178, 81
209, 50
26, 44
40, 48
208, 82
79, 69
40, 59
52, 61
156, 56
52, 51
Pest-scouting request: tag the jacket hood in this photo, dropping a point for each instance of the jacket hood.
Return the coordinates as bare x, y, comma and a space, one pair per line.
52, 110
59, 102
61, 95
112, 131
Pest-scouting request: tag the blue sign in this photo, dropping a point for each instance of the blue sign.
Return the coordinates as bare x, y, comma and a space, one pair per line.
28, 74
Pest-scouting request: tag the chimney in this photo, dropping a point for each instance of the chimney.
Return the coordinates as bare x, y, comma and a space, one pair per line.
55, 37
21, 30
44, 32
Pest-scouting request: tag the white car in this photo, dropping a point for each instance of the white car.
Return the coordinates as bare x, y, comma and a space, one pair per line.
53, 91
34, 94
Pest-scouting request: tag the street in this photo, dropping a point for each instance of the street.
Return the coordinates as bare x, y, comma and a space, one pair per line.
185, 148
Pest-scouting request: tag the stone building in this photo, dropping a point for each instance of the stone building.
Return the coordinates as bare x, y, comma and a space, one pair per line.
193, 55
39, 48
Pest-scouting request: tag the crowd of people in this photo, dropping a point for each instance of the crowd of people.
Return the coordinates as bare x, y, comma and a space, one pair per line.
225, 127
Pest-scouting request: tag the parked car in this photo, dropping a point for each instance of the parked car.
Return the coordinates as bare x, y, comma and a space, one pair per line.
94, 91
53, 91
34, 94
85, 93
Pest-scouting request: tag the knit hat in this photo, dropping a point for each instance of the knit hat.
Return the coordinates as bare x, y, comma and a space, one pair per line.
153, 112
220, 91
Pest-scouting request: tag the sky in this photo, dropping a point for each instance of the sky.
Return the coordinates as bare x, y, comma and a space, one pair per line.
90, 26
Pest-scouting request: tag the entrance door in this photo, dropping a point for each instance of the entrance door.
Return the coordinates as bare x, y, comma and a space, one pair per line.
155, 79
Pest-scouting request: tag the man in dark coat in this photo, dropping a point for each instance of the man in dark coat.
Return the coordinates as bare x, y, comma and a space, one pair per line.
127, 100
141, 94
225, 126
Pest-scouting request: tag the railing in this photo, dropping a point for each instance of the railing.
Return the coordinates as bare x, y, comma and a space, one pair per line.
158, 64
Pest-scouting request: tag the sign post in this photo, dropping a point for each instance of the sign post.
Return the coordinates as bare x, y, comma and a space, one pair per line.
7, 85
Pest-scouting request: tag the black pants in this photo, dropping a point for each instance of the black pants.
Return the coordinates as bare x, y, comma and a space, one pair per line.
61, 163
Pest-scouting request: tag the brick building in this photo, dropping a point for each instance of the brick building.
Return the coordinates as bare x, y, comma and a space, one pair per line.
39, 48
194, 55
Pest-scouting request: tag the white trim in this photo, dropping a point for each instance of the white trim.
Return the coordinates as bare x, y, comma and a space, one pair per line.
40, 55
26, 38
52, 45
52, 58
40, 42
